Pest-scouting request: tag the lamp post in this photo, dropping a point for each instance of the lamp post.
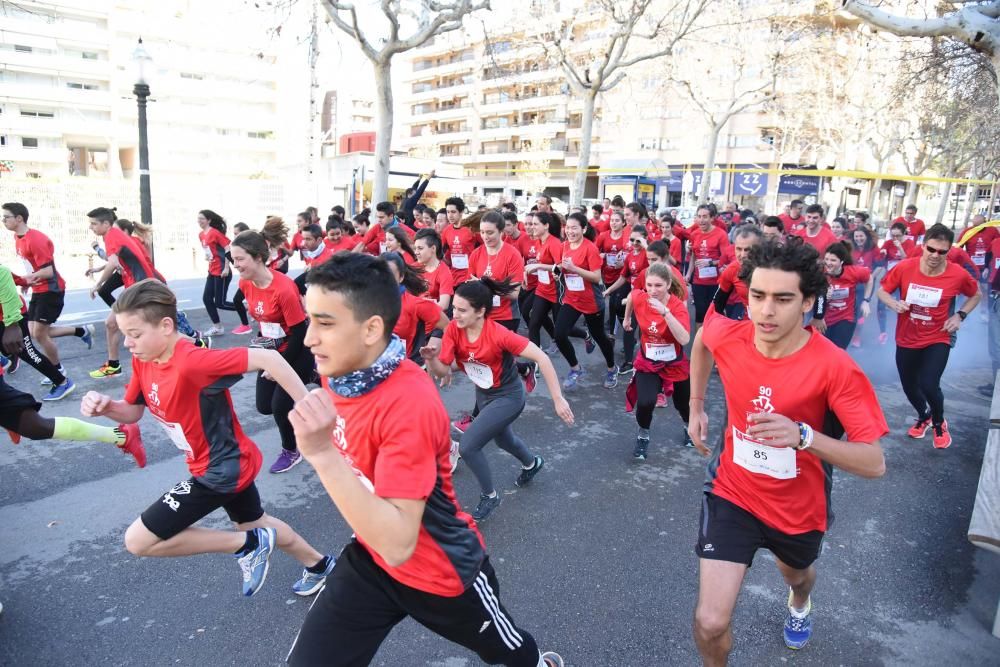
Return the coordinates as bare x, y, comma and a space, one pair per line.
143, 69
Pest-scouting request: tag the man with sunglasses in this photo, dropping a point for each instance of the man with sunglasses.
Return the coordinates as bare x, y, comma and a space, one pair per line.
928, 286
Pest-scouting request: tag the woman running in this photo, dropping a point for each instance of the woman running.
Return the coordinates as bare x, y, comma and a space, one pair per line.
486, 352
430, 252
865, 253
612, 245
498, 261
275, 234
634, 263
214, 242
398, 241
660, 366
276, 306
419, 318
839, 321
893, 251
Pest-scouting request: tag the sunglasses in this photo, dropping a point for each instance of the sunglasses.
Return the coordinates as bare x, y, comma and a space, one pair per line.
935, 251
637, 241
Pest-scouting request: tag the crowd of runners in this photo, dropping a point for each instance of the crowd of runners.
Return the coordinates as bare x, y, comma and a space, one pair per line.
394, 301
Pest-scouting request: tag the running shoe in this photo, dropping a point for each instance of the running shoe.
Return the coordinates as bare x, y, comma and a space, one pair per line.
13, 363
454, 455
4, 362
242, 330
88, 336
883, 338
688, 442
552, 350
641, 446
254, 564
552, 659
572, 379
286, 460
588, 344
528, 376
313, 581
486, 506
462, 423
14, 437
797, 630
203, 341
611, 379
528, 474
626, 368
106, 371
45, 382
60, 392
942, 438
919, 429
215, 330
661, 400
133, 444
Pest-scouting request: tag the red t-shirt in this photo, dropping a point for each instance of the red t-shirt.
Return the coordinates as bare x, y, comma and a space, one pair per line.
653, 232
37, 250
345, 243
408, 459
580, 293
214, 243
613, 251
892, 254
929, 297
549, 252
658, 344
132, 256
979, 245
914, 230
438, 282
374, 239
296, 242
821, 241
635, 263
277, 308
791, 223
530, 250
600, 225
676, 246
189, 396
459, 244
787, 490
489, 361
995, 251
324, 255
840, 295
707, 246
507, 263
729, 281
414, 310
866, 258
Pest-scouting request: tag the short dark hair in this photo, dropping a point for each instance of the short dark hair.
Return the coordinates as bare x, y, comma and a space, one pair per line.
17, 209
774, 221
659, 248
939, 232
103, 214
510, 206
339, 210
861, 214
386, 207
815, 208
431, 238
911, 207
510, 217
841, 251
901, 226
794, 256
547, 198
240, 227
597, 208
618, 202
313, 229
150, 298
457, 202
367, 285
796, 202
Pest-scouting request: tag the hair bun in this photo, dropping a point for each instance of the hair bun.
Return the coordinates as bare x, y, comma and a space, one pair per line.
114, 208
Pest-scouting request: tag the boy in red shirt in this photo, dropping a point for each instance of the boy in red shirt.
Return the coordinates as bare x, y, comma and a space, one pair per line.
731, 297
914, 225
186, 390
707, 245
415, 552
788, 389
816, 233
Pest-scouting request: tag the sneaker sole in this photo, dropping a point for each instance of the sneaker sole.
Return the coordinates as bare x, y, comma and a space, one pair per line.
278, 472
311, 591
944, 446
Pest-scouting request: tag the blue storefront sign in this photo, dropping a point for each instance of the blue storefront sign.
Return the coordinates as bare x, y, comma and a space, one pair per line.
749, 185
672, 182
799, 185
717, 184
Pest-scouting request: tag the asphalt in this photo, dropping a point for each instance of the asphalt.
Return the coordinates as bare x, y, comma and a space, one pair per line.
595, 558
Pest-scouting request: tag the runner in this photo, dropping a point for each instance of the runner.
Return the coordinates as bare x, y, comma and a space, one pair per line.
635, 262
429, 252
498, 261
815, 232
838, 227
48, 291
186, 389
419, 318
214, 242
893, 251
707, 244
459, 241
337, 236
864, 253
773, 229
781, 382
660, 367
373, 241
314, 250
731, 296
275, 304
612, 245
914, 226
415, 552
547, 253
674, 243
397, 241
839, 320
275, 234
792, 218
924, 330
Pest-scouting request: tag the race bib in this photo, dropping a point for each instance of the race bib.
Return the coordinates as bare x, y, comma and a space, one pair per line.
176, 435
660, 352
612, 260
480, 374
496, 300
381, 247
752, 455
208, 253
459, 261
543, 277
928, 297
574, 283
708, 271
271, 330
979, 258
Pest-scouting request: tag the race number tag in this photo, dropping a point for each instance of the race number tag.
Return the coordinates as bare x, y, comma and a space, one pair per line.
381, 247
271, 330
574, 283
708, 271
176, 435
928, 297
208, 252
543, 277
496, 300
838, 293
776, 462
612, 260
480, 374
660, 352
979, 258
459, 261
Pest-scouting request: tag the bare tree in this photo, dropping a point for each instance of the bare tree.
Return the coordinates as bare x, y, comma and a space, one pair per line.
975, 24
425, 18
631, 31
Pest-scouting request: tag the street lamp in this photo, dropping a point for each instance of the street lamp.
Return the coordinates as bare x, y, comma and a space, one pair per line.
143, 70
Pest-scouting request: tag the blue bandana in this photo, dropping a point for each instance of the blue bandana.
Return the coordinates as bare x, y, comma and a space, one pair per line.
360, 382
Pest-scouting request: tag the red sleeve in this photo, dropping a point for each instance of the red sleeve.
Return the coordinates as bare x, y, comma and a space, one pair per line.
726, 279
716, 329
852, 398
406, 463
371, 234
679, 310
428, 311
593, 258
291, 304
447, 354
207, 366
42, 250
133, 392
861, 274
969, 286
112, 242
891, 280
446, 285
510, 341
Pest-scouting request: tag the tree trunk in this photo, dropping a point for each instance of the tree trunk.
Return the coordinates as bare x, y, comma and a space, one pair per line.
706, 175
583, 160
873, 192
943, 204
971, 197
383, 135
911, 193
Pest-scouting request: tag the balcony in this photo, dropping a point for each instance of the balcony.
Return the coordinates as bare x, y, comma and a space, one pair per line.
64, 66
36, 155
96, 35
26, 93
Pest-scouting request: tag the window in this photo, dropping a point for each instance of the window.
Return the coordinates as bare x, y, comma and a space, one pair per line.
192, 75
81, 86
89, 55
22, 49
29, 142
266, 134
3, 139
37, 114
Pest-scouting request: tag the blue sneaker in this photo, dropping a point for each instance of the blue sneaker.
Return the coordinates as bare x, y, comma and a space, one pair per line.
311, 581
88, 336
255, 563
611, 379
588, 344
797, 630
572, 379
60, 392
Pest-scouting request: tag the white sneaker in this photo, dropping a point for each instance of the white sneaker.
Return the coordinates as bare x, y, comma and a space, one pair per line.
216, 330
454, 455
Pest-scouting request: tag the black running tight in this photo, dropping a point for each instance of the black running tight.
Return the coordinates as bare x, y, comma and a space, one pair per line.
920, 371
648, 387
565, 321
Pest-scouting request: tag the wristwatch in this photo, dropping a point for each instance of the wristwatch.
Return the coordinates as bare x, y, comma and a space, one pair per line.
962, 314
805, 436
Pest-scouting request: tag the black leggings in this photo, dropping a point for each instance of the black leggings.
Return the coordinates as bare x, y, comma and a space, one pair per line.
34, 357
841, 333
240, 308
702, 300
539, 311
273, 400
525, 302
920, 371
628, 338
566, 319
109, 286
648, 387
214, 297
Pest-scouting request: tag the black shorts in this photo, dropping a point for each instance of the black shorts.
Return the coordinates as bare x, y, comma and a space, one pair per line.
360, 604
729, 532
14, 402
189, 502
702, 295
45, 307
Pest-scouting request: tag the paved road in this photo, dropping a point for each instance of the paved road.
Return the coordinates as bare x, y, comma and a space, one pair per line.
595, 558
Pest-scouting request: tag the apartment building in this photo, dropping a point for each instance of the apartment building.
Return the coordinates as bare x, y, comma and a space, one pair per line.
66, 101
